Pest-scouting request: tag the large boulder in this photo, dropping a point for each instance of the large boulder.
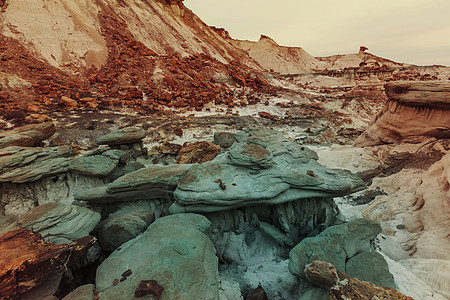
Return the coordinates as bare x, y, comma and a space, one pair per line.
27, 136
27, 262
174, 252
414, 110
59, 223
336, 245
120, 227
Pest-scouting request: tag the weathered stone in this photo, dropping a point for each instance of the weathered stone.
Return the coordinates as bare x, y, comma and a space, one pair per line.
27, 261
197, 152
128, 135
24, 164
371, 267
420, 93
59, 223
321, 274
122, 227
224, 139
27, 136
95, 165
149, 183
335, 245
172, 251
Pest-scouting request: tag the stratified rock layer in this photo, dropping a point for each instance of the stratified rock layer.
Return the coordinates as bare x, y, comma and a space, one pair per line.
174, 252
27, 136
128, 135
414, 110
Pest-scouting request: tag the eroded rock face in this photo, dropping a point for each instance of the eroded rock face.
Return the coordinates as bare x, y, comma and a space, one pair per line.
27, 261
198, 152
174, 252
414, 110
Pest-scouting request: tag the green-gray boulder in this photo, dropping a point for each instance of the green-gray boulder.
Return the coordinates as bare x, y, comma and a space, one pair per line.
128, 135
371, 267
335, 245
173, 251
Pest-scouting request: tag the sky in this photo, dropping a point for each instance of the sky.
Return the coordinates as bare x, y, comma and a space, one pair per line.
408, 31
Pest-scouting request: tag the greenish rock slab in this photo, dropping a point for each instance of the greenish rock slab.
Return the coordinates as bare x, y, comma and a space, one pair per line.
371, 267
121, 227
335, 245
148, 183
224, 139
128, 135
173, 251
262, 167
27, 164
96, 165
59, 223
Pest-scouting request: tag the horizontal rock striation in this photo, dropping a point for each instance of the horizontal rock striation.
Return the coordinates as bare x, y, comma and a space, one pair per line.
414, 110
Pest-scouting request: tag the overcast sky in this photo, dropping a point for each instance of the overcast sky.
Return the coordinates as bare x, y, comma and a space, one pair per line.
410, 31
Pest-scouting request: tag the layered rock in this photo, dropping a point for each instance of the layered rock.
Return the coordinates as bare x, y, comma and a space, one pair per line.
128, 135
414, 110
174, 252
28, 262
27, 136
120, 227
198, 152
59, 223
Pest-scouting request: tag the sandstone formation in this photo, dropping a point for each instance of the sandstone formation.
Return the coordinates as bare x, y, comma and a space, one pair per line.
27, 261
342, 286
123, 136
120, 227
415, 110
174, 252
84, 292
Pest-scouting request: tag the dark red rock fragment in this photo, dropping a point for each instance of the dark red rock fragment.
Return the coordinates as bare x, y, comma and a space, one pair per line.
257, 294
149, 287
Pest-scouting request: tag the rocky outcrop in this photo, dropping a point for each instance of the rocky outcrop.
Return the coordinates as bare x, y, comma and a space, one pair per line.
174, 252
27, 136
26, 164
28, 262
342, 286
343, 246
261, 168
414, 110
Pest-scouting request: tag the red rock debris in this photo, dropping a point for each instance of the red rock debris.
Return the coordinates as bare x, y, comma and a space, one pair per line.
27, 261
148, 287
